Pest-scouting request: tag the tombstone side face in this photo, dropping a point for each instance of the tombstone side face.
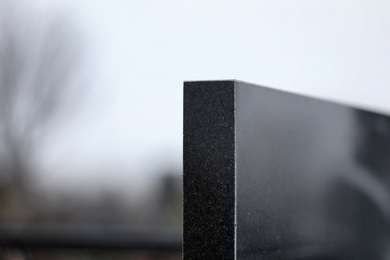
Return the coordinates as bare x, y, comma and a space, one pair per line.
301, 178
312, 178
286, 145
209, 170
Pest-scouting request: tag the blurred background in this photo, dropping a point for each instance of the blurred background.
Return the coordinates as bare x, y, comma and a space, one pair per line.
91, 94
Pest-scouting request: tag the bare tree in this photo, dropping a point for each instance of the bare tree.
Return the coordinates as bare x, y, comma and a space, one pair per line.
39, 54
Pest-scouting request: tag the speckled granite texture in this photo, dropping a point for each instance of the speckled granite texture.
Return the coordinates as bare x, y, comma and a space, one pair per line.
303, 178
209, 174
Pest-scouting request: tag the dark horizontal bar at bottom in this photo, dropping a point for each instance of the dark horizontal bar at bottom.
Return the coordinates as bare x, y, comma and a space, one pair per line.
91, 238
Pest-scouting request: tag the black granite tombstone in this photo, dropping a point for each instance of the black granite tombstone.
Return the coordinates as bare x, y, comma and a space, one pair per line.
273, 175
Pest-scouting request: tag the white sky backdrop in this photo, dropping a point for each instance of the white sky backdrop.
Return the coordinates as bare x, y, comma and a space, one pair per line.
140, 52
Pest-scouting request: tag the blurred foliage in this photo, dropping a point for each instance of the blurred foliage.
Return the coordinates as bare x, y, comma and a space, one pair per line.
39, 59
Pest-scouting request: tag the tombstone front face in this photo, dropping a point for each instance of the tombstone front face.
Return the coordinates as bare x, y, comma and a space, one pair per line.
273, 175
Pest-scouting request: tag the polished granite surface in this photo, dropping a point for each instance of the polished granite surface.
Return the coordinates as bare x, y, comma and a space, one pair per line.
274, 175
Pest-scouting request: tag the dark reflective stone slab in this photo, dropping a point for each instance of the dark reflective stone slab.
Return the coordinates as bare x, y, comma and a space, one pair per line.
273, 175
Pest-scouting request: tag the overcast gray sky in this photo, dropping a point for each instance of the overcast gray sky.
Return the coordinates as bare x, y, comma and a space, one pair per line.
140, 52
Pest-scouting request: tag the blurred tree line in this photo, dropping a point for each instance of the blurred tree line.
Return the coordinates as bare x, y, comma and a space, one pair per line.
40, 58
